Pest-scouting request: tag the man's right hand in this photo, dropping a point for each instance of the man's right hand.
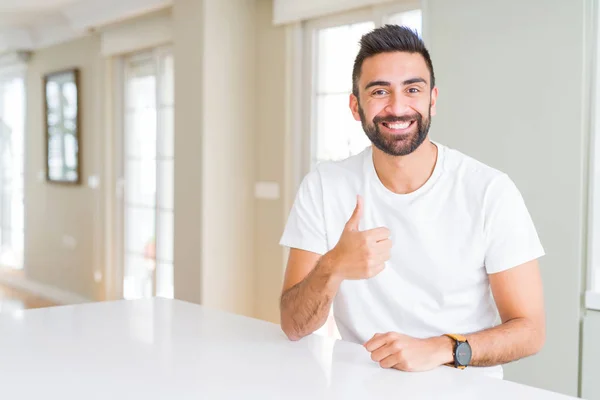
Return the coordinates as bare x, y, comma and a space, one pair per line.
360, 255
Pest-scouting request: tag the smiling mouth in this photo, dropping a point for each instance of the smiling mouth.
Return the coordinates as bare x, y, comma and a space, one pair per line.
398, 126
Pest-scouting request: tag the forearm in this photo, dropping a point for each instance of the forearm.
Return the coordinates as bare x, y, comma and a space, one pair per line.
305, 306
510, 341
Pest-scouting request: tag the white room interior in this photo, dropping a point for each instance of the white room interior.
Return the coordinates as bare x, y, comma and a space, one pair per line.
239, 97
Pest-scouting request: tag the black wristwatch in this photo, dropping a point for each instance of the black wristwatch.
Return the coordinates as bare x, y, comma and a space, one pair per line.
462, 351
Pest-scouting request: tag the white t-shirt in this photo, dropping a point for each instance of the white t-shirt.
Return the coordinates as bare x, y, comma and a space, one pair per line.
467, 221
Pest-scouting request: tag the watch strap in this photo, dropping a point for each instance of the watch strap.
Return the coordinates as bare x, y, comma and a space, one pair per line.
458, 339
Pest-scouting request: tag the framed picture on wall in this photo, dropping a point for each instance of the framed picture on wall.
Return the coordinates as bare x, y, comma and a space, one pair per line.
62, 116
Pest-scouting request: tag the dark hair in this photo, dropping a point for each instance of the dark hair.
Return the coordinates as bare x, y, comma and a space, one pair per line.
388, 39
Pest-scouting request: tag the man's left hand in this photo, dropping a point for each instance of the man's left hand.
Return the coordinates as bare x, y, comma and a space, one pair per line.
395, 350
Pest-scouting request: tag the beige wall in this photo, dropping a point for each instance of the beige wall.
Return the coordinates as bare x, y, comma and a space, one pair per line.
228, 155
188, 47
215, 99
270, 136
54, 211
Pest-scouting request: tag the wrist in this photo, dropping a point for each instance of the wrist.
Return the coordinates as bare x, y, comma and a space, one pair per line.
444, 349
329, 267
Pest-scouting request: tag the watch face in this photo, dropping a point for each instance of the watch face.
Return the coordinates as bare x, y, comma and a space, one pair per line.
463, 354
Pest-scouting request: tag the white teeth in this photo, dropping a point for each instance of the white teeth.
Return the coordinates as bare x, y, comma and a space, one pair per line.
399, 125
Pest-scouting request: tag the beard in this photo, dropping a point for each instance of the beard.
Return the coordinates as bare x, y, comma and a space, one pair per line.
401, 145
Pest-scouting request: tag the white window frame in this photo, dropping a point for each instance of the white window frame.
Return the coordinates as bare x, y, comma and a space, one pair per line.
592, 295
117, 41
9, 72
116, 190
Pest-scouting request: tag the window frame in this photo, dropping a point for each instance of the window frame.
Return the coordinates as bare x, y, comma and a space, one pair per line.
379, 15
592, 294
156, 56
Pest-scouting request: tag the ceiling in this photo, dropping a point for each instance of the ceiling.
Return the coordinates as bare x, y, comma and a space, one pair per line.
32, 24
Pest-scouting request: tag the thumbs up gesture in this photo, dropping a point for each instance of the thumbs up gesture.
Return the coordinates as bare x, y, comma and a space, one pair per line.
360, 255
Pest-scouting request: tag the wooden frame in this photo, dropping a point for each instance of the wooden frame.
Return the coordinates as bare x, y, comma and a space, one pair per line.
62, 126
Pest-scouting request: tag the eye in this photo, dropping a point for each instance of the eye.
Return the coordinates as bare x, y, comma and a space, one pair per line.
380, 92
413, 90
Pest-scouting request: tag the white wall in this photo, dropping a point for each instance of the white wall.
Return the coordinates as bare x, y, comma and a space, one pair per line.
511, 79
288, 11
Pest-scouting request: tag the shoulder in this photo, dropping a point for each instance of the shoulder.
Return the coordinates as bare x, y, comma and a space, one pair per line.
479, 185
472, 173
339, 173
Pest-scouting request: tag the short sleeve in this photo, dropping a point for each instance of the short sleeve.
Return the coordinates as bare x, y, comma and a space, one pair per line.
305, 227
510, 235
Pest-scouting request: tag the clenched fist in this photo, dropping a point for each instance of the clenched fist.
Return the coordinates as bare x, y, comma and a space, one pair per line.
360, 255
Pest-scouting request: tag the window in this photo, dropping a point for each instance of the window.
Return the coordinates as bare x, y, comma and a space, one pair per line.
147, 175
412, 19
331, 44
336, 134
12, 133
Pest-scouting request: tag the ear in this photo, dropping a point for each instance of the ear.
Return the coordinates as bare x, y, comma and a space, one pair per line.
354, 107
434, 95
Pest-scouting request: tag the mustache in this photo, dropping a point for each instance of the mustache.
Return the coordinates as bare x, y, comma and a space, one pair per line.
394, 118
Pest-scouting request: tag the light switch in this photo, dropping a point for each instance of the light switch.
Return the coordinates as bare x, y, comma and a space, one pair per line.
93, 181
69, 242
266, 190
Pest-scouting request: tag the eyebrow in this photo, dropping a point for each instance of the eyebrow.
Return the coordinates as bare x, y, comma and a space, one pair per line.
414, 80
386, 83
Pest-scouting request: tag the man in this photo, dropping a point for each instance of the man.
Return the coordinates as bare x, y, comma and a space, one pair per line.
422, 247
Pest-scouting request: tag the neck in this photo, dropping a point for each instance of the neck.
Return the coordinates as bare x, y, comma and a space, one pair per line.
405, 174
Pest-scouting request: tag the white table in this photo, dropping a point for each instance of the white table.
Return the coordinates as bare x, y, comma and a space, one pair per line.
165, 349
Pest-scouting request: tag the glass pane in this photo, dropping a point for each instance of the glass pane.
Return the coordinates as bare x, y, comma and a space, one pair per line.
140, 178
164, 280
338, 134
140, 133
11, 248
17, 217
164, 250
411, 19
5, 207
140, 231
167, 127
12, 120
141, 92
336, 49
165, 197
138, 277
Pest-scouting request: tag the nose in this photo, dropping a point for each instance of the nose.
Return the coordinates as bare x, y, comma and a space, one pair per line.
397, 106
